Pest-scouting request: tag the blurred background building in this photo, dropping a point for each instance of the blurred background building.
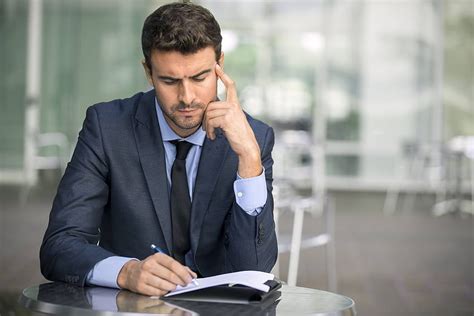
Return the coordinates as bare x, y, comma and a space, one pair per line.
372, 102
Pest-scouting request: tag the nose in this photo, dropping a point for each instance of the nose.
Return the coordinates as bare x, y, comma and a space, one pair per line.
186, 92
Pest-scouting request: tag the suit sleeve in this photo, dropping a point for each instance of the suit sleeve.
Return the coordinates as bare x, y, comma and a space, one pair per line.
70, 245
252, 243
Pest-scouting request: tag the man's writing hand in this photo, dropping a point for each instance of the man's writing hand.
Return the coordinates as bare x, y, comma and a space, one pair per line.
155, 276
228, 115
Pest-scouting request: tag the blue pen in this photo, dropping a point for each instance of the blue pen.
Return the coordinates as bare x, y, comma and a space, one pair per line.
159, 250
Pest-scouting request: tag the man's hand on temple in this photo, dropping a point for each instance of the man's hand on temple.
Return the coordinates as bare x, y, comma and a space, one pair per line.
228, 115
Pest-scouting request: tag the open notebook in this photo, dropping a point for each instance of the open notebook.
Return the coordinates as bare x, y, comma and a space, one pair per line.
236, 287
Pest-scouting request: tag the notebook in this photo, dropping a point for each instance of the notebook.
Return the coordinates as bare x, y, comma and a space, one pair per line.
237, 287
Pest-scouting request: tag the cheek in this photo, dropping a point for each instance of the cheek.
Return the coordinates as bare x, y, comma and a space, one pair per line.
167, 94
207, 90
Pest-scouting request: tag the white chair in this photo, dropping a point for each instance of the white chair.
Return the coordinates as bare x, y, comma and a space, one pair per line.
293, 193
459, 149
57, 161
417, 166
36, 161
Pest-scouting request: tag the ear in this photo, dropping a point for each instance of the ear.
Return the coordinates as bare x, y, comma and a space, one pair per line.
220, 62
147, 72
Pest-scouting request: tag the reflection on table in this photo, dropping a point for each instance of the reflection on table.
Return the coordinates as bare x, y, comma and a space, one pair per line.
65, 299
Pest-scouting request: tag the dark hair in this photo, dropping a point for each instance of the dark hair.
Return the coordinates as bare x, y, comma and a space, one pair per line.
182, 27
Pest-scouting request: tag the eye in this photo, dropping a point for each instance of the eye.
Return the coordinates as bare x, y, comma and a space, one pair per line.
199, 78
169, 82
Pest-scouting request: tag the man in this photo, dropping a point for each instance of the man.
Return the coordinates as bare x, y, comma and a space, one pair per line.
210, 210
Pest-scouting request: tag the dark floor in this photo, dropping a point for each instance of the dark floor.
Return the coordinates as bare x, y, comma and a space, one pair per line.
406, 264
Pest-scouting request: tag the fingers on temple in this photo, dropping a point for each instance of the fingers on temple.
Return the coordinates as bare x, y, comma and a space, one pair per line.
229, 84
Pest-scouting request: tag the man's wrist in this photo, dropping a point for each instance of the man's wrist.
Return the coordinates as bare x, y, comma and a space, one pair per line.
249, 166
123, 274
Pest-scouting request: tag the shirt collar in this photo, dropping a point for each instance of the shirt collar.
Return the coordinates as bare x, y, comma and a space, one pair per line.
197, 138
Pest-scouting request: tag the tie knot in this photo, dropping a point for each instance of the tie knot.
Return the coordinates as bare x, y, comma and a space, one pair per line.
182, 149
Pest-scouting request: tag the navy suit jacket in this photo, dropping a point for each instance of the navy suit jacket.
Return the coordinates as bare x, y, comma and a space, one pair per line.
113, 199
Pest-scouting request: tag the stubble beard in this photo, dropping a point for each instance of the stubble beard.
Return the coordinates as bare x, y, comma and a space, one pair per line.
183, 122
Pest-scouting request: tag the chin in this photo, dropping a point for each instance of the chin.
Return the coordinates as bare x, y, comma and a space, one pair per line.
189, 125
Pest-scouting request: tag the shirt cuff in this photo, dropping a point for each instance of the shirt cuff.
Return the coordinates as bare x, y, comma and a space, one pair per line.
251, 193
105, 272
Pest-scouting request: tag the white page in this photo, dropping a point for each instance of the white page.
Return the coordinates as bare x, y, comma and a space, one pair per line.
254, 279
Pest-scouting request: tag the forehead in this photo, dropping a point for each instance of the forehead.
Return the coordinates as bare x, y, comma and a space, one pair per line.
179, 65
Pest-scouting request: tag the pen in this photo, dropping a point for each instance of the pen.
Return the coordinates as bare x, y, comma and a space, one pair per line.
159, 250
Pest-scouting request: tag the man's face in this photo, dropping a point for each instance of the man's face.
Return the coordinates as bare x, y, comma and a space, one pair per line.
184, 85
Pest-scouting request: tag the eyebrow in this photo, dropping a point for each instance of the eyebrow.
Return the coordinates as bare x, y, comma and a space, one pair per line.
193, 76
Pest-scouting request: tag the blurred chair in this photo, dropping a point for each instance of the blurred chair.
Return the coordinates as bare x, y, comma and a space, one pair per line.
445, 178
36, 161
293, 193
420, 169
458, 150
57, 161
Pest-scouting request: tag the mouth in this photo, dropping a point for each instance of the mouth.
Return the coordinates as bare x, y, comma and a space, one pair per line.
187, 112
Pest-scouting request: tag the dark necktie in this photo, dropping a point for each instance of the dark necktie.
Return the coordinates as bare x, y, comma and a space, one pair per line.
180, 202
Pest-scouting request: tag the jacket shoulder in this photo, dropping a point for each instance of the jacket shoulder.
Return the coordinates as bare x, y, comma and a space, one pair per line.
116, 107
258, 126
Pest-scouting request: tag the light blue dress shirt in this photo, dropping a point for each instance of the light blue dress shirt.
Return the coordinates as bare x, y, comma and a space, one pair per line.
250, 194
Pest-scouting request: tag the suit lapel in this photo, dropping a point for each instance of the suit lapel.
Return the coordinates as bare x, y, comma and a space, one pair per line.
210, 165
152, 158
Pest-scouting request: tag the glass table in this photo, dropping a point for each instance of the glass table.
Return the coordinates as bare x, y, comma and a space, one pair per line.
64, 299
